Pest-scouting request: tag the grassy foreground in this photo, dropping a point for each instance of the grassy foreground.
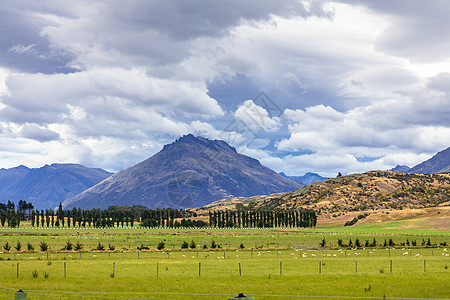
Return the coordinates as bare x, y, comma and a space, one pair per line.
287, 263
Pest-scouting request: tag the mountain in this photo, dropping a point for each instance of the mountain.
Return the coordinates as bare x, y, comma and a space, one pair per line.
190, 172
440, 163
45, 187
306, 179
401, 168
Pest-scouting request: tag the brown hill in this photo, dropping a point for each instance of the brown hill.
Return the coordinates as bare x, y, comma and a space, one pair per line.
344, 198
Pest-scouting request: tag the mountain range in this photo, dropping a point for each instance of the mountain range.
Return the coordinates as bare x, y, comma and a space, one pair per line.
45, 187
190, 172
306, 179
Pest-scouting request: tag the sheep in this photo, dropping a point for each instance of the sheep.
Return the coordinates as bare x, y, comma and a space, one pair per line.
334, 255
405, 253
304, 255
313, 255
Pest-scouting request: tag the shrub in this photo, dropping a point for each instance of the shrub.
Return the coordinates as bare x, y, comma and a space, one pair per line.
352, 222
357, 243
18, 246
241, 246
391, 242
205, 246
43, 246
213, 244
142, 247
46, 275
160, 245
414, 243
68, 246
7, 246
78, 246
184, 245
30, 247
192, 245
322, 243
100, 246
112, 247
340, 243
34, 274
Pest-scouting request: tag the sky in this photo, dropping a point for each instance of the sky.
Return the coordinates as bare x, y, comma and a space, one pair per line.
302, 85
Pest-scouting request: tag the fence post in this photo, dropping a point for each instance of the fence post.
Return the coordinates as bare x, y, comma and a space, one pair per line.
320, 267
199, 269
64, 269
356, 266
114, 269
281, 268
391, 265
17, 270
424, 266
240, 274
157, 267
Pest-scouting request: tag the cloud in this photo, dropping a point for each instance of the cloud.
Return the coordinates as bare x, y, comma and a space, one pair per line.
418, 30
349, 85
39, 134
256, 117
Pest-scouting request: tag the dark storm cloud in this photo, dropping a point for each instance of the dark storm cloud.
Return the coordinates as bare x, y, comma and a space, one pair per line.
184, 20
21, 45
419, 30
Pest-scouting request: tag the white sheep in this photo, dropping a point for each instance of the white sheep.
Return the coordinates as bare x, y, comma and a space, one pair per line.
405, 253
304, 255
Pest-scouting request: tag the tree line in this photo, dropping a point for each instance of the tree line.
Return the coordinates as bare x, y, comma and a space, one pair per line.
121, 216
263, 218
12, 217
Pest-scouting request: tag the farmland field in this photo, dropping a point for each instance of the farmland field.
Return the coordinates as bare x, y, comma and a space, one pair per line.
265, 263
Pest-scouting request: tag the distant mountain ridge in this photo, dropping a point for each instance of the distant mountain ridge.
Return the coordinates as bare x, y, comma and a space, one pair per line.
45, 187
306, 179
190, 172
401, 168
439, 163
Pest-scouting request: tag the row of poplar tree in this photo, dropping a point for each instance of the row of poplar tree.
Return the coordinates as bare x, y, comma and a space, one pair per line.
78, 217
263, 218
116, 216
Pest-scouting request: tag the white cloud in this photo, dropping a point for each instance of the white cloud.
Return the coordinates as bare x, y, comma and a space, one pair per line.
256, 117
362, 84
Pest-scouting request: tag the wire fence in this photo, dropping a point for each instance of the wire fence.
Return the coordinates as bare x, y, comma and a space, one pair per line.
9, 293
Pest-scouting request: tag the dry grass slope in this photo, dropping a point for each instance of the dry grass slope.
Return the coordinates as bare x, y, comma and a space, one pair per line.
384, 195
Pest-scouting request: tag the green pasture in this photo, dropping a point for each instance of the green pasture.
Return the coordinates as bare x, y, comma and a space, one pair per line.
230, 239
274, 264
217, 274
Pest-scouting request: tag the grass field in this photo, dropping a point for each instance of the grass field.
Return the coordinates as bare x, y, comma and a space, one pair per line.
274, 264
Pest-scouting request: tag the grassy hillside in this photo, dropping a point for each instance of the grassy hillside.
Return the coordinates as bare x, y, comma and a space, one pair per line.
377, 196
